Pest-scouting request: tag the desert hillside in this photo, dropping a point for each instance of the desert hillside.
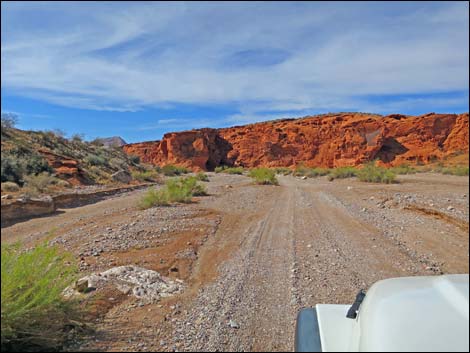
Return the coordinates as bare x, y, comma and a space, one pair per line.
77, 162
331, 140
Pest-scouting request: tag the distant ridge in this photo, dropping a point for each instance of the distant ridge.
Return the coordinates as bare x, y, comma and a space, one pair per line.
114, 141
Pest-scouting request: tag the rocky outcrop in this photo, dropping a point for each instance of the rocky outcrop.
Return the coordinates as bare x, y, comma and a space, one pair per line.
65, 168
122, 176
331, 140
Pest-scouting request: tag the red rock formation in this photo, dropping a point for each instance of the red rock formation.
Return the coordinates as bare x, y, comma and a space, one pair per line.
327, 141
65, 167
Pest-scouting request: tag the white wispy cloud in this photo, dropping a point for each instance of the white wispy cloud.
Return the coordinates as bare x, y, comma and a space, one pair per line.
257, 56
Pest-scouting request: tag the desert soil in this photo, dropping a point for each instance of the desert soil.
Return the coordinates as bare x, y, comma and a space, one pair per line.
251, 256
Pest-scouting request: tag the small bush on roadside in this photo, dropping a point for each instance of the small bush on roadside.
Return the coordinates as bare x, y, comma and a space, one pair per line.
175, 190
10, 186
373, 174
454, 170
202, 176
229, 170
147, 175
35, 316
403, 169
310, 172
195, 188
282, 171
233, 170
342, 173
264, 176
154, 197
173, 170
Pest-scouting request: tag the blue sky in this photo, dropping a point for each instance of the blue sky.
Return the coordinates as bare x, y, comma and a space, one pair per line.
140, 69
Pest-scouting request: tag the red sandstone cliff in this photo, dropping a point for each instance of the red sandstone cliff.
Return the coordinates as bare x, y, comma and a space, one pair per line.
327, 141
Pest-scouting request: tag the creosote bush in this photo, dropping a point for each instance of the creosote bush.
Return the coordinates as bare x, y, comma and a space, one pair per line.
173, 170
373, 174
342, 173
229, 170
264, 176
175, 190
9, 186
147, 175
202, 176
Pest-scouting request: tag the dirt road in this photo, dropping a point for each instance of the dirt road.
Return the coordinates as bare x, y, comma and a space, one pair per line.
263, 252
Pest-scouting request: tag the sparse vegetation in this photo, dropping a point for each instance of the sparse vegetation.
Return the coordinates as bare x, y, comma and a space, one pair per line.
229, 170
173, 170
175, 190
95, 160
374, 174
342, 173
264, 176
282, 171
17, 164
453, 170
8, 121
404, 169
202, 176
147, 175
35, 316
39, 183
10, 186
310, 172
134, 159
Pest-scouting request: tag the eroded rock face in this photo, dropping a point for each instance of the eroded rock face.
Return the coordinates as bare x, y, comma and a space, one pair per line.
65, 167
332, 140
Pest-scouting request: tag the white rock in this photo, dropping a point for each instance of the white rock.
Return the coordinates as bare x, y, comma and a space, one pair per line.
234, 324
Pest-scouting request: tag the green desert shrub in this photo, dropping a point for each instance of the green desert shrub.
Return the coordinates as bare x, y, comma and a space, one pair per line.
154, 197
310, 172
454, 170
229, 170
96, 160
404, 169
233, 170
10, 186
264, 176
202, 176
373, 174
15, 166
173, 170
11, 169
175, 190
35, 316
147, 175
41, 182
342, 173
282, 171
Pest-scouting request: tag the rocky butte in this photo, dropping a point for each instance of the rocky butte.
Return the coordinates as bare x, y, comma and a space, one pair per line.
330, 140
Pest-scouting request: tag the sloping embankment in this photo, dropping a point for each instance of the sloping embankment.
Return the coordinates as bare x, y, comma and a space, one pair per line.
24, 209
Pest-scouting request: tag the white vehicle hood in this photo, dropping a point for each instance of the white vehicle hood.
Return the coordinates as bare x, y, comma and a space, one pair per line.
402, 314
